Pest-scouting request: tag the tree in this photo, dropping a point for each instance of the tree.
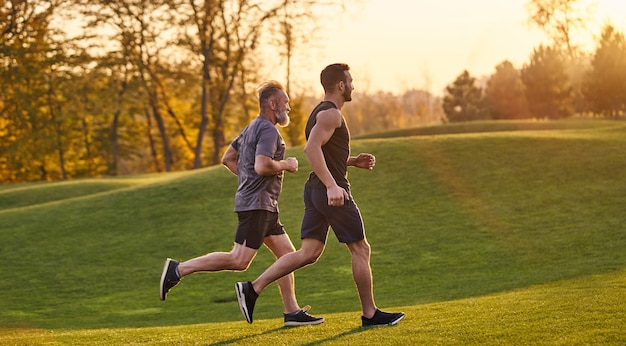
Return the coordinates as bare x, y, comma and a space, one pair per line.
548, 89
34, 127
420, 108
294, 133
505, 93
605, 84
225, 35
463, 101
143, 45
559, 18
124, 94
294, 26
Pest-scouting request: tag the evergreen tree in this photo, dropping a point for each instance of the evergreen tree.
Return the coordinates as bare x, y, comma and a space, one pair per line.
548, 88
463, 100
505, 93
605, 85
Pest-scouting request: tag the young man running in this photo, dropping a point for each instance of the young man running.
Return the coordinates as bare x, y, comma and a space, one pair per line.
328, 203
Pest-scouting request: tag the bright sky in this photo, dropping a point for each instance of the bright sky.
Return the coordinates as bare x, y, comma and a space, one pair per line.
394, 45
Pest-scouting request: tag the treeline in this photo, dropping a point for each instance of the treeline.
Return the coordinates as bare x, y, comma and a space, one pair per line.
558, 81
111, 87
370, 112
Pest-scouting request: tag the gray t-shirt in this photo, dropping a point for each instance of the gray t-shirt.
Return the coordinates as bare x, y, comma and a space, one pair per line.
257, 192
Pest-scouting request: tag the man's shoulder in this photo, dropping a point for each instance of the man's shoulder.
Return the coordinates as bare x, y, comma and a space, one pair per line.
261, 126
331, 117
323, 106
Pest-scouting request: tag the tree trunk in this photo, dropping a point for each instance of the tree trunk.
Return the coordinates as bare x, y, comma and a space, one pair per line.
114, 164
167, 153
153, 151
58, 131
60, 150
206, 45
204, 121
218, 142
91, 167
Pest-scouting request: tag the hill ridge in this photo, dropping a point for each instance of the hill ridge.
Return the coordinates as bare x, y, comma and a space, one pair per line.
552, 212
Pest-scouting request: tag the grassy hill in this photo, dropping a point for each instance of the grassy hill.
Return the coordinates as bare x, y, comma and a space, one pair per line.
489, 237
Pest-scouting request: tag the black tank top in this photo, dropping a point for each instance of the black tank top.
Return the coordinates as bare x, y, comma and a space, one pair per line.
336, 150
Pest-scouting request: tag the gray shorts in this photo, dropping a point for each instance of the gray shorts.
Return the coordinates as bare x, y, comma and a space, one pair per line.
345, 221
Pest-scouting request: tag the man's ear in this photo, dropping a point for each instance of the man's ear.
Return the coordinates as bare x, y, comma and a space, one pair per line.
341, 86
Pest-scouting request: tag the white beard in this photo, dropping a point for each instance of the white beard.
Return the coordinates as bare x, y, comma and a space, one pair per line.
282, 118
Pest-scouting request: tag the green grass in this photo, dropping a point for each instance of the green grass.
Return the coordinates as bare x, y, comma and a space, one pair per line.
499, 237
21, 195
588, 311
493, 126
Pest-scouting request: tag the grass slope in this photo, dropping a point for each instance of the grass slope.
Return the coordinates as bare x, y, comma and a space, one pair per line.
587, 311
479, 237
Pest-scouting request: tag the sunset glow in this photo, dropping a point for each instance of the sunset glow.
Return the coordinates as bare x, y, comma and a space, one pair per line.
396, 44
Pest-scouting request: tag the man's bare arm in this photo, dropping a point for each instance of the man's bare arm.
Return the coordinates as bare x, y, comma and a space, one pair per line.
229, 159
265, 165
327, 122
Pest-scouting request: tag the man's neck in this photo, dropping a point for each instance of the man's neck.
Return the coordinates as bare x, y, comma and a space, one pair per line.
271, 118
336, 99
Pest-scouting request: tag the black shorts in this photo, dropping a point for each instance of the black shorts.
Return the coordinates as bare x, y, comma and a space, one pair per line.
255, 225
345, 221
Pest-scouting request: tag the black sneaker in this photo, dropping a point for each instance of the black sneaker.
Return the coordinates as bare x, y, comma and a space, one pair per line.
247, 298
381, 318
302, 318
169, 278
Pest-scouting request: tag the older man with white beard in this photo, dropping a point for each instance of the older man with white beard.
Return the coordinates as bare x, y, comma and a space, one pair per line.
257, 158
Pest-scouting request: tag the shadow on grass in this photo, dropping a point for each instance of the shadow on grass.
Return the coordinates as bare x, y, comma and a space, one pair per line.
336, 337
313, 343
242, 338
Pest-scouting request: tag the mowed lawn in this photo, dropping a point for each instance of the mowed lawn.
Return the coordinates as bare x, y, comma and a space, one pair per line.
494, 236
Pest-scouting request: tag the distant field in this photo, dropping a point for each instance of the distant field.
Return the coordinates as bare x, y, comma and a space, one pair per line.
494, 126
491, 237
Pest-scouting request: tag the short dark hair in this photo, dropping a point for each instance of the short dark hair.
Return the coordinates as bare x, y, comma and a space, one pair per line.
333, 74
267, 90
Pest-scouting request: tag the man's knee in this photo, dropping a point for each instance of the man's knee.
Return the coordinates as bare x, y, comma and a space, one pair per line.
311, 257
311, 251
240, 263
241, 257
360, 248
280, 245
285, 252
